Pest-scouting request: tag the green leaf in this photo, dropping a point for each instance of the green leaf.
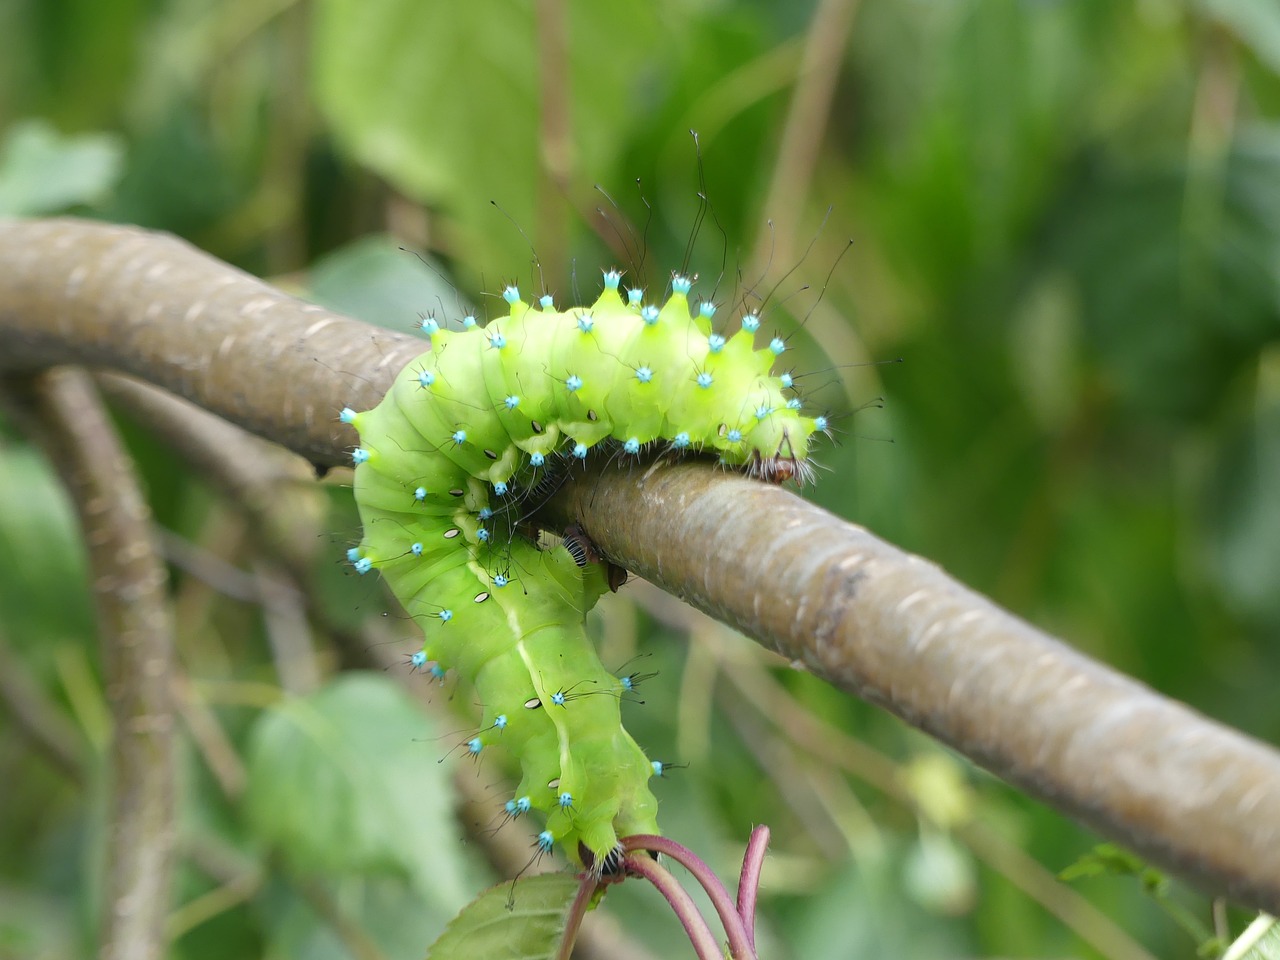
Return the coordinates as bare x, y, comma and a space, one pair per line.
43, 172
341, 782
1256, 24
376, 281
443, 100
505, 923
1260, 941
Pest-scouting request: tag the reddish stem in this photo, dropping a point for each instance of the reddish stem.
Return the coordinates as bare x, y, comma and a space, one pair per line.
577, 910
749, 880
695, 925
739, 942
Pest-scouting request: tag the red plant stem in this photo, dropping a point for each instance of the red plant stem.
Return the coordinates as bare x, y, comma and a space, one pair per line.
695, 925
739, 943
577, 910
749, 880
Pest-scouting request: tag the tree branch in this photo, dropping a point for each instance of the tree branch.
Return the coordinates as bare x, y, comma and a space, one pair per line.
1189, 794
129, 587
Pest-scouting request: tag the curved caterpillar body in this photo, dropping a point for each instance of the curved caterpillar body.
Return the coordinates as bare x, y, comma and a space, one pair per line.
442, 473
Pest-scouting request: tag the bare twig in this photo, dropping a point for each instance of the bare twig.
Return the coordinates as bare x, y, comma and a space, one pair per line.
1190, 795
129, 588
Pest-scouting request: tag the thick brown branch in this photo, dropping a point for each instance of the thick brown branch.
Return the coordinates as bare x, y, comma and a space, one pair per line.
1191, 795
149, 304
133, 614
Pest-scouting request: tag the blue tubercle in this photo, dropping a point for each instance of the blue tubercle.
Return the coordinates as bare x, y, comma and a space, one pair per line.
418, 659
500, 488
788, 382
426, 378
586, 323
500, 721
681, 285
430, 326
363, 565
446, 615
437, 671
511, 402
644, 374
416, 549
715, 343
500, 580
704, 380
681, 440
777, 345
474, 745
511, 294
751, 322
565, 800
632, 446
706, 309
546, 302
611, 279
546, 842
359, 455
634, 296
497, 341
795, 403
485, 513
558, 698
574, 383
763, 412
468, 322
734, 435
580, 451
821, 423
347, 415
420, 494
536, 459
353, 554
649, 314
459, 436
482, 535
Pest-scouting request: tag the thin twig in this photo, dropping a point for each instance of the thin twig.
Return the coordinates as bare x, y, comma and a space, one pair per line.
129, 583
695, 925
749, 880
739, 943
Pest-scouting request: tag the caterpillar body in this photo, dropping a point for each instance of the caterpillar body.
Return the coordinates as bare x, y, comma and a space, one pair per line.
446, 466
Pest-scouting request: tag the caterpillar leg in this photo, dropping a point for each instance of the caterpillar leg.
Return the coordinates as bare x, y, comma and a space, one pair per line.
584, 551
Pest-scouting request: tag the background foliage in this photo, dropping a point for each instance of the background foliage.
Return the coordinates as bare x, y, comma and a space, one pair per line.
1066, 221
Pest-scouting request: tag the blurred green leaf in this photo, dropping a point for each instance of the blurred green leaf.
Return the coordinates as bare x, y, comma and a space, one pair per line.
340, 781
376, 280
1255, 23
444, 100
506, 922
43, 172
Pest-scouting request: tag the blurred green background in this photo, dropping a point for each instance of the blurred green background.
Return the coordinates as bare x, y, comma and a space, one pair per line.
1065, 219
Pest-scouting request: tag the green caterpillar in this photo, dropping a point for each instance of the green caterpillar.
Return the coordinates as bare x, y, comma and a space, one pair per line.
463, 446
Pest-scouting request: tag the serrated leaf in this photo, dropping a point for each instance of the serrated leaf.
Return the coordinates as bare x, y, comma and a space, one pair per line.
341, 782
526, 923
